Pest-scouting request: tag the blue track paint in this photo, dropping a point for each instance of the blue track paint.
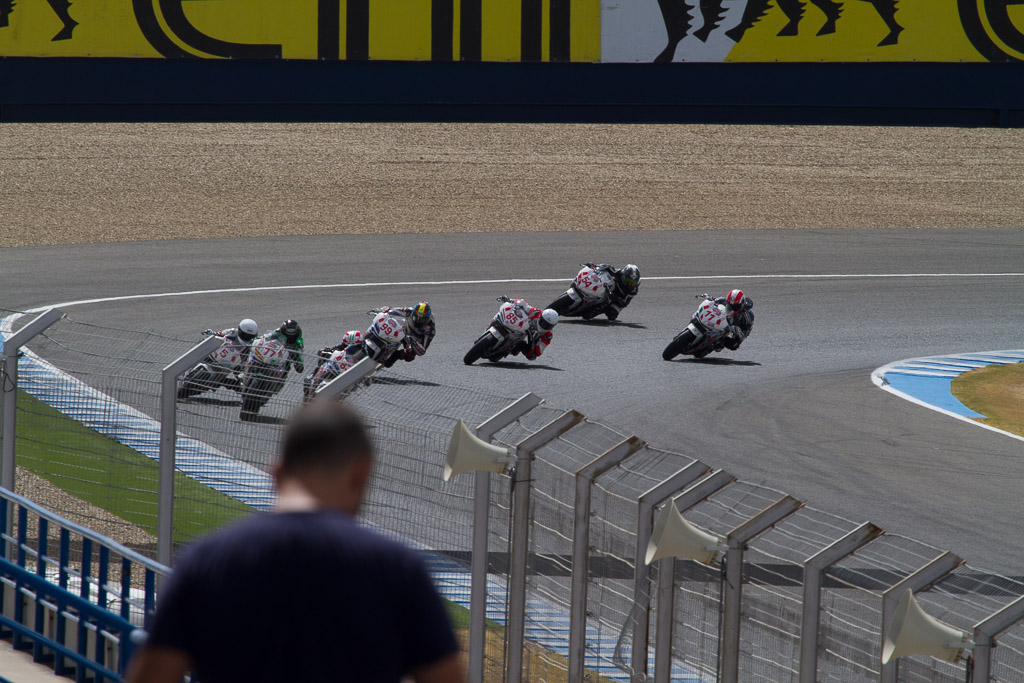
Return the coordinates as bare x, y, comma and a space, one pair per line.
935, 391
929, 380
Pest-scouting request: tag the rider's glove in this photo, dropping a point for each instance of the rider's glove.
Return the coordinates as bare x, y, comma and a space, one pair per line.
737, 332
210, 332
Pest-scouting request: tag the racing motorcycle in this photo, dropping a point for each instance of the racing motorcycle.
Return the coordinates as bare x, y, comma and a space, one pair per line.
220, 369
708, 326
382, 340
508, 327
264, 375
385, 337
336, 362
587, 295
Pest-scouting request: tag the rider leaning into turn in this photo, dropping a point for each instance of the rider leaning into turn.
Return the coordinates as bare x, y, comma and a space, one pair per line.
625, 285
540, 334
241, 338
420, 328
290, 334
738, 310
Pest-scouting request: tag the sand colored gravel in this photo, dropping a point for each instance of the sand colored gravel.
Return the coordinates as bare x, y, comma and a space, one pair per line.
70, 183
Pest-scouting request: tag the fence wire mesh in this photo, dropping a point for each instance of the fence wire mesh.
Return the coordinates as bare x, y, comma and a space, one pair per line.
615, 520
88, 423
88, 430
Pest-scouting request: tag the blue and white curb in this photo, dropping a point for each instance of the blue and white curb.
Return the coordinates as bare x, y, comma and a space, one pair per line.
126, 425
927, 381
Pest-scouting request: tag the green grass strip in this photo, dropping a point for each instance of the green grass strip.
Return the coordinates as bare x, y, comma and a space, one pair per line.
996, 391
110, 475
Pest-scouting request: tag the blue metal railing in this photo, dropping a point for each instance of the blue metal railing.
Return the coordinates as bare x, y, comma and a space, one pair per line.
109, 612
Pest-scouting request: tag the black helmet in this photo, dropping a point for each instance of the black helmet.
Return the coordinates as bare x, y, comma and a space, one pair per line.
291, 330
629, 276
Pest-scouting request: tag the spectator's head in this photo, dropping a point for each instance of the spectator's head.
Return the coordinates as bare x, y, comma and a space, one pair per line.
326, 459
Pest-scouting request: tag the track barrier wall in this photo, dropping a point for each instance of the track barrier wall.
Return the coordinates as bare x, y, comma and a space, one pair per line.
87, 406
876, 62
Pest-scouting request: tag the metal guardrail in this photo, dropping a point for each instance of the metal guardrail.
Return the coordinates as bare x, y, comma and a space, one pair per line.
39, 609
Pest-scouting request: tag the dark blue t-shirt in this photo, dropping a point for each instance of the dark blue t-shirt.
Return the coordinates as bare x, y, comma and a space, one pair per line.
308, 596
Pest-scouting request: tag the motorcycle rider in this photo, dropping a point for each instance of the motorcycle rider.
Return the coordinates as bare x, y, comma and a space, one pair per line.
420, 329
242, 335
352, 337
739, 312
290, 335
539, 335
241, 338
625, 285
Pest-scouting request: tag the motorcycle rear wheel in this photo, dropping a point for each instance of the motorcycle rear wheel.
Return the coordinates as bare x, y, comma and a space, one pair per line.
479, 349
683, 341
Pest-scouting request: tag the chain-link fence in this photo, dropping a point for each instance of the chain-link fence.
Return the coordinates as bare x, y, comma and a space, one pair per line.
88, 428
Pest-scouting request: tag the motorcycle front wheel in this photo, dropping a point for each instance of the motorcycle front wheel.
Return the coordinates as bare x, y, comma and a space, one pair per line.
479, 349
255, 394
562, 304
681, 343
195, 381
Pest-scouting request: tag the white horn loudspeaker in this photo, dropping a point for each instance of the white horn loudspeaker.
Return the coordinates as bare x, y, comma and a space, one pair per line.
914, 632
673, 536
469, 453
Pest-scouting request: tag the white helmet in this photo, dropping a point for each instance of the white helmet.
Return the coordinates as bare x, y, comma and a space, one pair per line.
247, 329
548, 319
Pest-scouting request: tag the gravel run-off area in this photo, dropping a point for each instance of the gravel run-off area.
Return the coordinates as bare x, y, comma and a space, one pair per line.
73, 183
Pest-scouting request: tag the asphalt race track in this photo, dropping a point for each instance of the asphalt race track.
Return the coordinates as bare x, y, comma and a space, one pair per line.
794, 408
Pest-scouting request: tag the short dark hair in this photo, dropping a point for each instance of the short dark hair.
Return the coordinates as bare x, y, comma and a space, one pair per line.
324, 434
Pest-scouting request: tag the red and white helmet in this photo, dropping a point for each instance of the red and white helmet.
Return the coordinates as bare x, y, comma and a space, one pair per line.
734, 298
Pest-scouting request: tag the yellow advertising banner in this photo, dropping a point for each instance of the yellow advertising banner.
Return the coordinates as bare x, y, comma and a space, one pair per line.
520, 30
441, 30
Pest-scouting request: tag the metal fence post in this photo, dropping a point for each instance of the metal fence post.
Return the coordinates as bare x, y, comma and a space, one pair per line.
737, 540
9, 389
814, 574
348, 379
481, 518
667, 570
916, 582
518, 564
985, 633
641, 572
585, 477
168, 434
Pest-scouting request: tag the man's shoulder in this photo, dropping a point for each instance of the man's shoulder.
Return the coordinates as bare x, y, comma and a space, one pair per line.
268, 532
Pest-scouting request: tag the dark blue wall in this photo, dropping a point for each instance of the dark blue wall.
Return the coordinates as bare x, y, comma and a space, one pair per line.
93, 89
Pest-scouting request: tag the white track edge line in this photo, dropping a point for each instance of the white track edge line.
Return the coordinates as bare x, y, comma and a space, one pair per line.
431, 283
